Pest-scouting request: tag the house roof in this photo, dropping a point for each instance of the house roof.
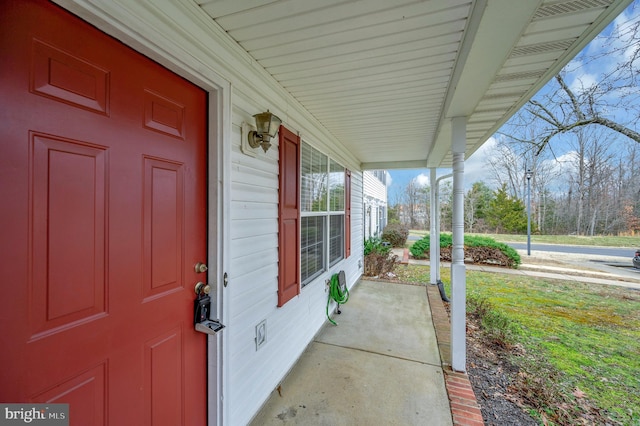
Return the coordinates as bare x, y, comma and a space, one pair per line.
386, 76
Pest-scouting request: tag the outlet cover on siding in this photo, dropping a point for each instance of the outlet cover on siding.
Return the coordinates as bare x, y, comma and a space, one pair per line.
261, 334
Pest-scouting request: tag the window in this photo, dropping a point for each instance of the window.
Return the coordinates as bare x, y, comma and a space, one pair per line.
381, 222
322, 194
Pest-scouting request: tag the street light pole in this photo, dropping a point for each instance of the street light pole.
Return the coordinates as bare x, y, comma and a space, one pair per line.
528, 176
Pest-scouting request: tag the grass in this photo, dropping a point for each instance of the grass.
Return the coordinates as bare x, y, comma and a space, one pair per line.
602, 241
588, 334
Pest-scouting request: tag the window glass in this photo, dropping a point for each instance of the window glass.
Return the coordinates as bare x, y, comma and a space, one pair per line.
313, 180
336, 187
322, 202
336, 239
312, 248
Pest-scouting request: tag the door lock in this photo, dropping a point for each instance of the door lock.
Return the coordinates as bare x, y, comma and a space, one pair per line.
202, 288
200, 268
201, 310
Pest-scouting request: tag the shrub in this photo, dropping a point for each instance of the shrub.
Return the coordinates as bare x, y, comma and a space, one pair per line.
378, 259
376, 264
375, 245
478, 249
420, 249
396, 234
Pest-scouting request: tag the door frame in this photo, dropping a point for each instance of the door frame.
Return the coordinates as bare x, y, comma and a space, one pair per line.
143, 28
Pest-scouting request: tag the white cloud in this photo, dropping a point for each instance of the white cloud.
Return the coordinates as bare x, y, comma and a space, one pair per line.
611, 48
561, 164
583, 82
607, 52
559, 168
422, 179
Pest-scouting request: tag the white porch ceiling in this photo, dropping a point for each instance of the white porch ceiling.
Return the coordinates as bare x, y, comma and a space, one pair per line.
386, 76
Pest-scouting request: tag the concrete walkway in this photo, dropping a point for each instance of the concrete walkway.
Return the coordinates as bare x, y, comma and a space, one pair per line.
386, 361
380, 366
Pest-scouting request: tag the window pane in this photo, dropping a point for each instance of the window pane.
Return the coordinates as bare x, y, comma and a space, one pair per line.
336, 187
311, 250
313, 181
336, 238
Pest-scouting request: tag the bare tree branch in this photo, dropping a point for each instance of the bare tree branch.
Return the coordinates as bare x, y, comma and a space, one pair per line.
630, 133
572, 97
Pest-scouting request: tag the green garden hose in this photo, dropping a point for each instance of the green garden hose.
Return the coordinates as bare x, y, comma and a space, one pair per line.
335, 293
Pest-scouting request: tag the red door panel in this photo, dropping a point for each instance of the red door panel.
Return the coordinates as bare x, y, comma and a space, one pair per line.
103, 190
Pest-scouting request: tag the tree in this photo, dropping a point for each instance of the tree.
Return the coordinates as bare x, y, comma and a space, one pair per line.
610, 101
506, 213
393, 214
565, 111
593, 105
445, 194
416, 205
476, 203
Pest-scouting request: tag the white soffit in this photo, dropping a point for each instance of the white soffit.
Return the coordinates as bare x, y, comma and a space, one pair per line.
386, 76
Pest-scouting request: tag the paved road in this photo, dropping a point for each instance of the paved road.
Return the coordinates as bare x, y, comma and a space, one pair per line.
612, 260
598, 251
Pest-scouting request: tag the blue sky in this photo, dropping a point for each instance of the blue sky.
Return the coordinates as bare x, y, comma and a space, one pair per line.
580, 74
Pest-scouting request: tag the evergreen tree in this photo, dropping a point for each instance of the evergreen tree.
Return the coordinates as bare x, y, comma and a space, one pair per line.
506, 214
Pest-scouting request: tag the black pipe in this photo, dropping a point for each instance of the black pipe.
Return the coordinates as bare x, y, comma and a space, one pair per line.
443, 294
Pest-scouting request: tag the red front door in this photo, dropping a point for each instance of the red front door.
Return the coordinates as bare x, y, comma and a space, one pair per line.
102, 217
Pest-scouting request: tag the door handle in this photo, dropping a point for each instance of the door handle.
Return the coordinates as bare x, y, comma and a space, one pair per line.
202, 288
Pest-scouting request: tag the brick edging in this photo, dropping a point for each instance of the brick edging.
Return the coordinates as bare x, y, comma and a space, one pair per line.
465, 410
405, 257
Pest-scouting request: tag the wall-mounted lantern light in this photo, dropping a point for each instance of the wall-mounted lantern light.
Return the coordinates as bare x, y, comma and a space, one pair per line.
267, 126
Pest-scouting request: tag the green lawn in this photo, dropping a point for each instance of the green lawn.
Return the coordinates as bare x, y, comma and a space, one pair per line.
589, 333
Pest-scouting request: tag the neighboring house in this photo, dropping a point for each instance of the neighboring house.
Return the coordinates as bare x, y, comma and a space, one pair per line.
375, 202
126, 168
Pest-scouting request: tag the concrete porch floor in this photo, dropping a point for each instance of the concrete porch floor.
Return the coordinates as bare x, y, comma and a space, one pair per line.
380, 366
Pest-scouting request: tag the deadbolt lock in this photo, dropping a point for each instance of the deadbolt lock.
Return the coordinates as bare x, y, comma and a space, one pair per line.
200, 267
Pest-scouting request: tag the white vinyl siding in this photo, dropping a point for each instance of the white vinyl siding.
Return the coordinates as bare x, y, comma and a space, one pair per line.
375, 203
251, 295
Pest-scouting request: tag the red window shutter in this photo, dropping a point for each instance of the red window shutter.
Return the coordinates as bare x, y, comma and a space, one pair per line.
347, 214
289, 217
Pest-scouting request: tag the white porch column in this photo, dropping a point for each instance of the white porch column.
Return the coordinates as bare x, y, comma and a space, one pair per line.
458, 270
435, 262
434, 222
